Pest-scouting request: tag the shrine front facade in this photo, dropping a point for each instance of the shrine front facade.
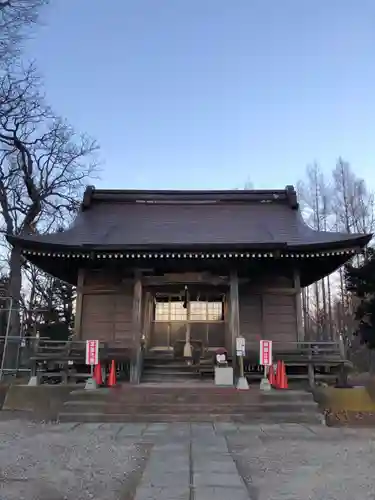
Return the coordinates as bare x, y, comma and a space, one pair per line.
212, 308
165, 268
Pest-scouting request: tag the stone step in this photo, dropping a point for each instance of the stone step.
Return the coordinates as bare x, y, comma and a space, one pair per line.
157, 417
220, 404
169, 401
112, 407
193, 405
209, 388
185, 395
212, 417
198, 389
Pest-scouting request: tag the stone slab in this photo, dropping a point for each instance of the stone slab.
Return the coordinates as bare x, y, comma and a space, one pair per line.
48, 462
157, 427
225, 427
214, 466
162, 493
222, 479
171, 479
217, 493
132, 430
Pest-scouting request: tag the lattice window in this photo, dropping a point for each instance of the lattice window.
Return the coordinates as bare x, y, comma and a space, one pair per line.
177, 311
162, 311
214, 311
199, 311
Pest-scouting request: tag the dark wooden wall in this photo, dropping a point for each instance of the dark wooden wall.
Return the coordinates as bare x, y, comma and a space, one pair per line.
107, 317
268, 310
279, 317
107, 308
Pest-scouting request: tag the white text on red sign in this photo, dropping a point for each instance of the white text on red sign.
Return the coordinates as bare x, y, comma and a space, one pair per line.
265, 355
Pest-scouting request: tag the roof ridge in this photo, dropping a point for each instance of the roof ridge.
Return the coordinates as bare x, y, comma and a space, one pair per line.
288, 195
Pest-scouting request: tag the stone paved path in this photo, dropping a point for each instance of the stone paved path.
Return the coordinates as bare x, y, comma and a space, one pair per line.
185, 462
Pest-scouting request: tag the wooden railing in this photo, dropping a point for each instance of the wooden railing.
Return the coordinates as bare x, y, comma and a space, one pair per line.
305, 360
293, 349
67, 359
63, 360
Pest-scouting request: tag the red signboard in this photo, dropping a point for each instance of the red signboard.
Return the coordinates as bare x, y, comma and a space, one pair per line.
265, 354
92, 352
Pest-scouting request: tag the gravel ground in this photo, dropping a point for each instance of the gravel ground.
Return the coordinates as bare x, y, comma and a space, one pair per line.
183, 461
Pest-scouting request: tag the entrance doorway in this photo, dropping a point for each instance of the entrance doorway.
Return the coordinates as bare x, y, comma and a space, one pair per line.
200, 315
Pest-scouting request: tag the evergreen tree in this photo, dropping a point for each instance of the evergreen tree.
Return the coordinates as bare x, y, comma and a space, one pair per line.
360, 282
56, 306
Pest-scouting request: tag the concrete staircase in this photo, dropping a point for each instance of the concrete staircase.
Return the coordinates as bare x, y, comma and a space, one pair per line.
189, 403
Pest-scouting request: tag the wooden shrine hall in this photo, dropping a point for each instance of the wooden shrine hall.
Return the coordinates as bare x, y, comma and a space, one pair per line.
158, 270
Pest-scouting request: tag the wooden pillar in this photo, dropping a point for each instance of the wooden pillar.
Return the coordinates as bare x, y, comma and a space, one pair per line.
147, 318
262, 318
311, 368
151, 317
228, 338
188, 318
298, 306
79, 304
137, 310
234, 311
136, 328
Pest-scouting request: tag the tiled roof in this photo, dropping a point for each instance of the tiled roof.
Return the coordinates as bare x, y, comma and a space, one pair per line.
167, 219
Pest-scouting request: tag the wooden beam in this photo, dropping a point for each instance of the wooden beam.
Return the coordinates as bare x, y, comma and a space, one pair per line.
184, 279
272, 290
79, 304
103, 291
298, 306
109, 287
234, 310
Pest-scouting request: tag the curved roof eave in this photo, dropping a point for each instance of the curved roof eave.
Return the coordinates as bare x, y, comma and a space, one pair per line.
351, 241
39, 242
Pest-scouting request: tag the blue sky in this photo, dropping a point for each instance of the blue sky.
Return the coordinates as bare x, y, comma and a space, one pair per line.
204, 94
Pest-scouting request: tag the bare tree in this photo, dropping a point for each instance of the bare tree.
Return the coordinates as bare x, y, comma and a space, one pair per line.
342, 204
249, 184
47, 301
315, 195
352, 202
44, 166
16, 19
353, 206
